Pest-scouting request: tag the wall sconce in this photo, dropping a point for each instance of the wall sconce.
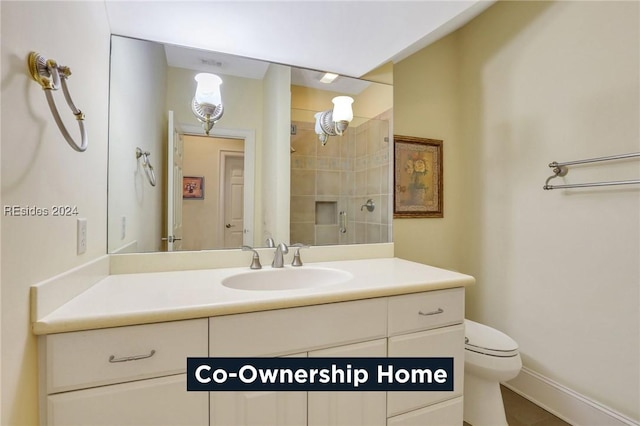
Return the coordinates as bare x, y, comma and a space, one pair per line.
52, 76
334, 122
207, 102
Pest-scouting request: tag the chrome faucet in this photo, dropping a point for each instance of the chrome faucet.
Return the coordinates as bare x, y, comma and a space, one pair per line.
278, 257
255, 261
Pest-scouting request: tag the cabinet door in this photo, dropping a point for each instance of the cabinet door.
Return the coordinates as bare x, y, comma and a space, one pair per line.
448, 413
351, 408
153, 402
259, 408
441, 342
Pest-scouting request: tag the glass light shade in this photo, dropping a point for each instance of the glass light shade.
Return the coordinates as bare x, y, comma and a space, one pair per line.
318, 128
342, 110
208, 90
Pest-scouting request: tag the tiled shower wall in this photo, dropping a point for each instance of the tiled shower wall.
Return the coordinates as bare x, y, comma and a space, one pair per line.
340, 177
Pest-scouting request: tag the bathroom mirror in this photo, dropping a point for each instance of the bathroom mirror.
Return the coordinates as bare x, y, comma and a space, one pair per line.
262, 173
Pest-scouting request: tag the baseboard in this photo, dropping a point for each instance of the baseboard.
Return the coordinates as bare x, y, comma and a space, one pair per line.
564, 403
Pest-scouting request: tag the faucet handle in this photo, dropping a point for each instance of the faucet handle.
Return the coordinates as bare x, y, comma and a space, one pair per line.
255, 261
297, 261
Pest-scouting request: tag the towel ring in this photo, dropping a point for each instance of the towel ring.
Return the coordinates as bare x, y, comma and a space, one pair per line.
146, 164
52, 76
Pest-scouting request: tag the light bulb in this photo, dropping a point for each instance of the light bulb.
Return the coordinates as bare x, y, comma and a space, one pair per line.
208, 90
342, 110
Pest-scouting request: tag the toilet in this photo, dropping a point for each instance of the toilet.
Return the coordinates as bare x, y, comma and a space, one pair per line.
491, 357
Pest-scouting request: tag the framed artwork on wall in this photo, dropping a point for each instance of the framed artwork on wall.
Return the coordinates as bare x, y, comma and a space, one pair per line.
193, 187
417, 176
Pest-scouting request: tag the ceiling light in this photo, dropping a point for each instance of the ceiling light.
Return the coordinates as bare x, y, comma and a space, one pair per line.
328, 78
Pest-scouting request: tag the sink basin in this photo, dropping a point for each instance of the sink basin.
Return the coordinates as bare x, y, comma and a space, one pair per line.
286, 279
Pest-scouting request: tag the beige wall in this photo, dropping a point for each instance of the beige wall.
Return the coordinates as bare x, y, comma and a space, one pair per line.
242, 98
525, 84
261, 106
273, 173
40, 169
200, 226
371, 102
137, 119
426, 105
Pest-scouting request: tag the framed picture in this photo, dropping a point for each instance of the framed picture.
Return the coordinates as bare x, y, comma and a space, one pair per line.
417, 177
193, 187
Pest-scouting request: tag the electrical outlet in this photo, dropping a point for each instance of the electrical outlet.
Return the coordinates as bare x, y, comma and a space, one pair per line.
82, 236
123, 227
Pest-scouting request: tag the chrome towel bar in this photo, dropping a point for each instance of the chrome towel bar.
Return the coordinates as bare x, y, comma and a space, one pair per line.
560, 170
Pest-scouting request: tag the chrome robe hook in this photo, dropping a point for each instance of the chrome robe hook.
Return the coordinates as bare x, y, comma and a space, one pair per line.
52, 76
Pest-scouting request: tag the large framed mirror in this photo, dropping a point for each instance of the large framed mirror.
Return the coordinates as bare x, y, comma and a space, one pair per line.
261, 174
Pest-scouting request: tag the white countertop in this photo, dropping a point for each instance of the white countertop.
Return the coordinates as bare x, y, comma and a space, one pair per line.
130, 299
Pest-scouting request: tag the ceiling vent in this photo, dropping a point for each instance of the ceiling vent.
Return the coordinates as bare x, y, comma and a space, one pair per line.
211, 62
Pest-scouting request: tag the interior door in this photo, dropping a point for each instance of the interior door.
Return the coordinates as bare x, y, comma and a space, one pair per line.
233, 200
174, 186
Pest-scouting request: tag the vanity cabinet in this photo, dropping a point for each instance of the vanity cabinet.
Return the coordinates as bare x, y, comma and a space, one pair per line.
304, 331
122, 376
160, 401
135, 375
259, 408
428, 324
353, 407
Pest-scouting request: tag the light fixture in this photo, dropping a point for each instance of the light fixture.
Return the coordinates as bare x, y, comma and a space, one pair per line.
328, 77
52, 76
334, 122
207, 102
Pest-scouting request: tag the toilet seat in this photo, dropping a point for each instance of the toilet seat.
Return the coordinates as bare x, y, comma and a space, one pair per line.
485, 340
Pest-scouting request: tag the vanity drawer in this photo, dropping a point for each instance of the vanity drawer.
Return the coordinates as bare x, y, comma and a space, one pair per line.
286, 331
423, 311
90, 358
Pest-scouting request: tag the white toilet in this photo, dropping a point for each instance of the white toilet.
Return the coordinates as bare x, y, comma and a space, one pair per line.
491, 357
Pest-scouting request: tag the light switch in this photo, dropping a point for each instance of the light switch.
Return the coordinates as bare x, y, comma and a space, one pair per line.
82, 236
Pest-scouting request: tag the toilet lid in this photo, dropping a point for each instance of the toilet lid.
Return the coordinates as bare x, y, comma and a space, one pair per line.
489, 341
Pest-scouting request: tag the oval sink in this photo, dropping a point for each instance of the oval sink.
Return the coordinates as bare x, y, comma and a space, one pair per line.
286, 279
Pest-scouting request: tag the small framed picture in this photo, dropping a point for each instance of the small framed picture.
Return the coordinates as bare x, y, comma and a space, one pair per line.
417, 177
193, 187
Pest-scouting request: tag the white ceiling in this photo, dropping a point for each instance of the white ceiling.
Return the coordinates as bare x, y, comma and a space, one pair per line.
214, 62
347, 37
225, 64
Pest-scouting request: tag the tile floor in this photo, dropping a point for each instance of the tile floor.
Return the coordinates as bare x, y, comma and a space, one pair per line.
522, 412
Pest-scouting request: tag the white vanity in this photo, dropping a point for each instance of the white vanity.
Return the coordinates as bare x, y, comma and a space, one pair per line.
116, 353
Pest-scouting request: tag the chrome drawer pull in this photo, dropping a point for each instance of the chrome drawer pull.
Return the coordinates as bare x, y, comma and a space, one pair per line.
426, 314
113, 358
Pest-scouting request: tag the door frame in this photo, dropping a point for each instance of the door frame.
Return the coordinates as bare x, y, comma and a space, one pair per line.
174, 139
249, 137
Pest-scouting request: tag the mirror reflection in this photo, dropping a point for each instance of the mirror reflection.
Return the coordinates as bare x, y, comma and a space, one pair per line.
262, 172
